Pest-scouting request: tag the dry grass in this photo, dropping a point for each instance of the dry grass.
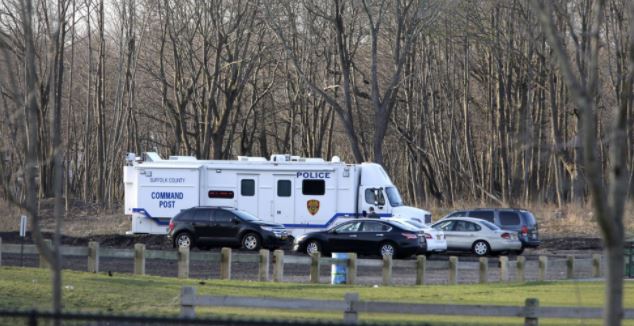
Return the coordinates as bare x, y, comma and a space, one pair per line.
81, 220
572, 220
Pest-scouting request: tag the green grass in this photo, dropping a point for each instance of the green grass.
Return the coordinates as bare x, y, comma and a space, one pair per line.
27, 288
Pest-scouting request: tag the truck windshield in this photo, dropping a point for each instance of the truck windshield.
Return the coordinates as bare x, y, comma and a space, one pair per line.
394, 197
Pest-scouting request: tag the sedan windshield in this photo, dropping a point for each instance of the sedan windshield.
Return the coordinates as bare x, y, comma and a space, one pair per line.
394, 197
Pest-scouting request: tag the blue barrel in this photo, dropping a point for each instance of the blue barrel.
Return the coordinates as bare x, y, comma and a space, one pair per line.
339, 270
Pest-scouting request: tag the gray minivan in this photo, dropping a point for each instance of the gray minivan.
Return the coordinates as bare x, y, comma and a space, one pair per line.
519, 220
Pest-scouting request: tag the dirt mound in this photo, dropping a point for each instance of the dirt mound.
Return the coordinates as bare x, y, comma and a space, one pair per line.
576, 243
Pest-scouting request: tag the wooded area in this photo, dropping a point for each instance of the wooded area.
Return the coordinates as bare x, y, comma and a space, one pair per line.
460, 100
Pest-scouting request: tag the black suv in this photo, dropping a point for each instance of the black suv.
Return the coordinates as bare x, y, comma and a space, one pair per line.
519, 220
205, 227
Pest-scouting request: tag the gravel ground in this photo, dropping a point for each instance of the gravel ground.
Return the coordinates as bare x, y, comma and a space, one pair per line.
403, 272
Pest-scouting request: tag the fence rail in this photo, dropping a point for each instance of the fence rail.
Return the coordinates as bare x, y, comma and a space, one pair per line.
225, 258
35, 317
351, 306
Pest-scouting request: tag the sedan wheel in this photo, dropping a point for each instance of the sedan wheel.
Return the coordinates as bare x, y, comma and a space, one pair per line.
481, 248
251, 242
312, 247
183, 240
387, 249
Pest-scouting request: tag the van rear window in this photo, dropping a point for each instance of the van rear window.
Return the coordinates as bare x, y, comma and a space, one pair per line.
529, 217
484, 215
509, 218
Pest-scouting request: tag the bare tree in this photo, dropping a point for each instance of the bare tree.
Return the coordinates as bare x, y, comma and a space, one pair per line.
608, 197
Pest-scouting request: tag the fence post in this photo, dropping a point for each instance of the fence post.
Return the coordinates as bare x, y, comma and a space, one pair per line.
531, 312
33, 317
93, 257
263, 266
350, 315
421, 265
314, 267
504, 268
453, 270
520, 276
543, 267
188, 298
225, 263
278, 267
43, 263
570, 267
596, 265
387, 269
351, 278
183, 262
139, 258
484, 269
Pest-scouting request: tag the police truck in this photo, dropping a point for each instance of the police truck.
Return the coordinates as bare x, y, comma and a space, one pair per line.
303, 194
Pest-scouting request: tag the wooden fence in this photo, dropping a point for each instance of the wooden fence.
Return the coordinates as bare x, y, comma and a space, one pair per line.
351, 306
225, 258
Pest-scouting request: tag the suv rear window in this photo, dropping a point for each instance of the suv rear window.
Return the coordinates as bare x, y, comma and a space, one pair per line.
181, 215
483, 215
509, 218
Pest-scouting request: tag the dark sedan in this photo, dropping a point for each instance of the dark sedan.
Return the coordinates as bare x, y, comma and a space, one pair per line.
364, 236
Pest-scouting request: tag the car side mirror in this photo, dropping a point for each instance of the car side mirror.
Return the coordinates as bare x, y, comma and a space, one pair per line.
235, 221
333, 231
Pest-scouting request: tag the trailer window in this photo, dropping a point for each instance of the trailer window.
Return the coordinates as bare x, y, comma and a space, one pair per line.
222, 194
247, 187
313, 187
283, 188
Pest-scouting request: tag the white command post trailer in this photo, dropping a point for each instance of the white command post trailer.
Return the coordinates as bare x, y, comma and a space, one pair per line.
303, 194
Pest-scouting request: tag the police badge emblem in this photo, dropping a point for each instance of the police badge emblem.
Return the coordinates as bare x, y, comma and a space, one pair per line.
313, 206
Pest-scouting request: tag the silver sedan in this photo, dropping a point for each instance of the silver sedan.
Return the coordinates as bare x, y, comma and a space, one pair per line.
478, 236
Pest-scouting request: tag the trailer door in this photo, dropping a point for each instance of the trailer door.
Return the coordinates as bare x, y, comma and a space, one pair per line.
284, 202
248, 188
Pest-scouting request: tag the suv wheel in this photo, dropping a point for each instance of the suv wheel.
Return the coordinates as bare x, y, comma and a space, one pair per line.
251, 241
183, 239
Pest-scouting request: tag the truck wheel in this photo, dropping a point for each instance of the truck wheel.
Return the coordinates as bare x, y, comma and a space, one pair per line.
251, 242
183, 239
